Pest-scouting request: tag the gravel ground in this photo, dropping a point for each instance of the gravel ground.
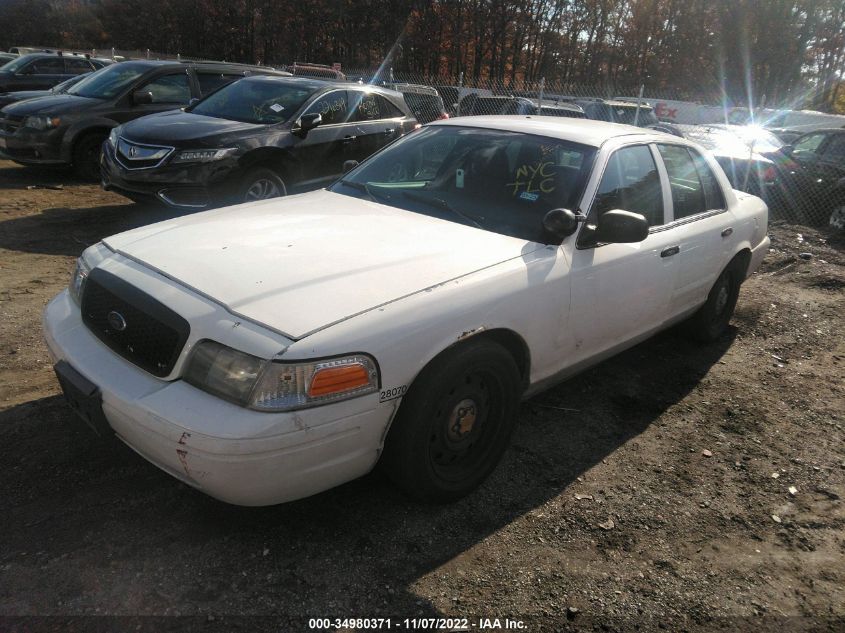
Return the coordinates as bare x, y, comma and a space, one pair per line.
673, 487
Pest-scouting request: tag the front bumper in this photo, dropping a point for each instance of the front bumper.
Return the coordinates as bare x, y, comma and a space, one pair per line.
32, 147
189, 186
263, 459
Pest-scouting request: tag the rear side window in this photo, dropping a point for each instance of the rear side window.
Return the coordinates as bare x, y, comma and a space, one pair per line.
46, 66
170, 89
631, 183
371, 107
808, 144
209, 82
687, 191
835, 148
713, 197
77, 66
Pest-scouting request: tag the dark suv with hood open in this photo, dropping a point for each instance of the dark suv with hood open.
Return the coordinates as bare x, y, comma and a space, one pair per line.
69, 129
258, 138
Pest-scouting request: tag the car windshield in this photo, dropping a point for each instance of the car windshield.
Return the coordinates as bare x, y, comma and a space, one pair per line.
67, 83
499, 181
255, 100
109, 81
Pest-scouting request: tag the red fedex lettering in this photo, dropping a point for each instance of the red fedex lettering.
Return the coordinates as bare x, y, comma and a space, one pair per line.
662, 110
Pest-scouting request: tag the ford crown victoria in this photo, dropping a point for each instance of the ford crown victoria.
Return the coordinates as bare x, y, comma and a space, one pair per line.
269, 351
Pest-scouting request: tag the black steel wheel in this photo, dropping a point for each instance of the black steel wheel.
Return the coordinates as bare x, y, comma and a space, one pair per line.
712, 319
454, 423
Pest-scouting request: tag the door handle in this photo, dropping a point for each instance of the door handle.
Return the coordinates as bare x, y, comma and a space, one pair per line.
672, 250
348, 139
728, 231
390, 130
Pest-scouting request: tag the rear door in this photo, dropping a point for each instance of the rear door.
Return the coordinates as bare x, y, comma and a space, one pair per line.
40, 74
698, 224
75, 66
377, 122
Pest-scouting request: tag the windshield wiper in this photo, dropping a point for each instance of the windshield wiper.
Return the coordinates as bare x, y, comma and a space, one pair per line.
362, 186
440, 203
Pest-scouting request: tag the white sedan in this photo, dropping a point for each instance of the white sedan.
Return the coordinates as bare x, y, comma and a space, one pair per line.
269, 351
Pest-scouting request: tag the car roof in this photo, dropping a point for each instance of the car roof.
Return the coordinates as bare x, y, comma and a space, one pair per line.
584, 131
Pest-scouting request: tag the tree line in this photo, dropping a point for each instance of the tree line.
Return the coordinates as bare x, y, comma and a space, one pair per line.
765, 52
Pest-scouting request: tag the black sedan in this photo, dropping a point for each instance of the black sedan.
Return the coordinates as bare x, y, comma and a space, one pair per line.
260, 137
821, 155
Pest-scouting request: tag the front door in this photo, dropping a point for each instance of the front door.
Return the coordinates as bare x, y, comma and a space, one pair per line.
323, 150
622, 291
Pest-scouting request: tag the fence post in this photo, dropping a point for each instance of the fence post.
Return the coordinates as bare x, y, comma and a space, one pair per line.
639, 101
460, 85
391, 75
148, 53
542, 90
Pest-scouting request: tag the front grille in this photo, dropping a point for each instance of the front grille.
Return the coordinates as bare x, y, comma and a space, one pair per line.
10, 123
139, 156
141, 329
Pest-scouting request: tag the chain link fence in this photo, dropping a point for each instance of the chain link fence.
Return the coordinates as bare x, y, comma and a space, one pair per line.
797, 175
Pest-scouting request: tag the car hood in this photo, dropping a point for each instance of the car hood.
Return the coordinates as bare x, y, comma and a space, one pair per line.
50, 105
20, 95
303, 263
176, 127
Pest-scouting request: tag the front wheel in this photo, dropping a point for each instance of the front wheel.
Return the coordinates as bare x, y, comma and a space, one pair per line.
455, 422
86, 156
262, 183
712, 319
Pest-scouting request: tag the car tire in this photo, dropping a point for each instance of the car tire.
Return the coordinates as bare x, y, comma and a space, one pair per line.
712, 319
86, 156
262, 183
837, 217
455, 422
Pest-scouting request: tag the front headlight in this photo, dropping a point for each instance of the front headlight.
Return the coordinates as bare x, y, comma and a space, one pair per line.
113, 137
279, 386
90, 257
42, 122
78, 279
203, 155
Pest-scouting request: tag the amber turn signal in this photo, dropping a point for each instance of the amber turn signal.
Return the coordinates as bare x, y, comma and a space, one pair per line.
330, 380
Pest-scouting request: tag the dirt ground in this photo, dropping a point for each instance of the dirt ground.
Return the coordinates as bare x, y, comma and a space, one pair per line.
673, 487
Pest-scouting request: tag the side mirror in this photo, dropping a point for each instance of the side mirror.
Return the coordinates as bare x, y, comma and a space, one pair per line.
194, 101
787, 149
561, 222
349, 165
142, 97
621, 227
307, 122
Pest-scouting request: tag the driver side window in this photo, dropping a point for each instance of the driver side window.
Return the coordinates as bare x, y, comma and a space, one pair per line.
170, 89
333, 107
631, 183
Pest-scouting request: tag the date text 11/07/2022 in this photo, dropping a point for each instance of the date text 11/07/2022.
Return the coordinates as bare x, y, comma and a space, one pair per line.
414, 624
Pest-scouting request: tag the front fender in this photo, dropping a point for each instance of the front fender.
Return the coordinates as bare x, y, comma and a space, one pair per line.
76, 130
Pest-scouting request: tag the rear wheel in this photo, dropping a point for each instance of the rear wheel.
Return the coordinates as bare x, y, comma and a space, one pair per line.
262, 183
455, 422
712, 319
86, 156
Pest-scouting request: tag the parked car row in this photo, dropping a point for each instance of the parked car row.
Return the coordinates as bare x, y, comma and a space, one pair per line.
260, 138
